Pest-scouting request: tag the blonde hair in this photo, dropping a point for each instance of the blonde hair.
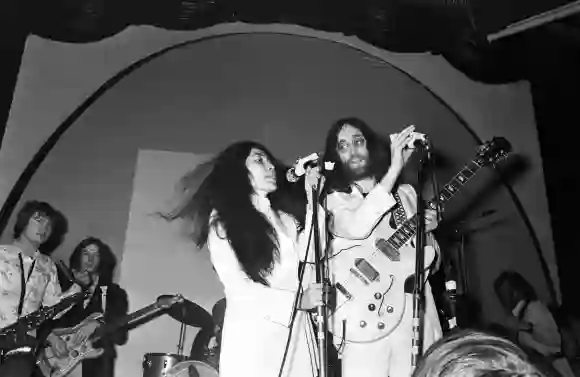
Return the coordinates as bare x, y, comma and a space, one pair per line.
469, 353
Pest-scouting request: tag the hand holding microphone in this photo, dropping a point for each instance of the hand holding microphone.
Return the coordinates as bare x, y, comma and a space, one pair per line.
403, 145
302, 164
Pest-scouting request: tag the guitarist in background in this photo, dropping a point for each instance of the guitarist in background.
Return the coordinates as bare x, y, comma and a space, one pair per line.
363, 191
93, 263
23, 265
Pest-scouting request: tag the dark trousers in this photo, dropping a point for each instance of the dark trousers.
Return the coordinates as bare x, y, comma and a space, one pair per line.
19, 366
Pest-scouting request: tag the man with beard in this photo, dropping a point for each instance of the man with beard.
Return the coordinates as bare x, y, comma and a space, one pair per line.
363, 193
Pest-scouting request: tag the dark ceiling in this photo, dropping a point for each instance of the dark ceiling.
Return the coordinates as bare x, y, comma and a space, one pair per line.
455, 28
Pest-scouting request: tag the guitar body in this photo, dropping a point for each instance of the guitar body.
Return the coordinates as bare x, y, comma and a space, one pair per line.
370, 287
370, 274
79, 345
79, 339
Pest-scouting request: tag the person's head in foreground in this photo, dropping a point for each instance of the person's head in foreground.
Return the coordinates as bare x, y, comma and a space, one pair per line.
469, 353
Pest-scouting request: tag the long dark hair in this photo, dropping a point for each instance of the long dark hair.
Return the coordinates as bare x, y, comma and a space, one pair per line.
511, 288
107, 259
379, 154
227, 190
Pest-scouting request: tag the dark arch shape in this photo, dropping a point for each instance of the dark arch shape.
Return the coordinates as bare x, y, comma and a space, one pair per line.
24, 179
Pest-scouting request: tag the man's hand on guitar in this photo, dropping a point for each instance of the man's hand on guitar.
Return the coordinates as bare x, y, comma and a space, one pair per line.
431, 220
58, 345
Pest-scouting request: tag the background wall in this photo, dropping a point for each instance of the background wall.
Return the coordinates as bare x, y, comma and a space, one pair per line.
279, 89
158, 251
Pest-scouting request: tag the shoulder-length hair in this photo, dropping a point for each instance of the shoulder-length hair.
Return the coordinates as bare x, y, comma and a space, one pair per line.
469, 353
28, 210
511, 288
107, 263
223, 199
379, 154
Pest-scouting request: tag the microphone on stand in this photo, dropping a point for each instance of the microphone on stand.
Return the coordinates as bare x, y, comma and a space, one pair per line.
299, 169
451, 290
417, 140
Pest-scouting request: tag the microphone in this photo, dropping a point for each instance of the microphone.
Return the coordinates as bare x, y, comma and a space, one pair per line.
294, 173
417, 140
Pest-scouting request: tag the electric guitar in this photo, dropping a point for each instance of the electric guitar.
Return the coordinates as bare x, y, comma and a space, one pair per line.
369, 274
35, 319
80, 338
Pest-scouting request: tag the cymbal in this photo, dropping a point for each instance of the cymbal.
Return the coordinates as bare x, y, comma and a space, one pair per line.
189, 313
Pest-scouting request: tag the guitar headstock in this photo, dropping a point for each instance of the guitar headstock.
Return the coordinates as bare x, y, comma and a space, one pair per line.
493, 151
167, 301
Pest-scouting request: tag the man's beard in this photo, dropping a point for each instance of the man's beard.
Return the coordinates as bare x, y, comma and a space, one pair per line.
358, 173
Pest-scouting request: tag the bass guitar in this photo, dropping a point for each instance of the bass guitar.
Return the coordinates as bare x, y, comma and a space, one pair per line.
370, 274
80, 338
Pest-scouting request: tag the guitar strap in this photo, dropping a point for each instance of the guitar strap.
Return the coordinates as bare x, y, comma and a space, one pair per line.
23, 282
399, 214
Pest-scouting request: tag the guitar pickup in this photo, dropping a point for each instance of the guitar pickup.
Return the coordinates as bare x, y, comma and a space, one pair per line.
366, 270
388, 250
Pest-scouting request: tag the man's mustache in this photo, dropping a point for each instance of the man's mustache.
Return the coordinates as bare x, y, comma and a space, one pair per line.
357, 157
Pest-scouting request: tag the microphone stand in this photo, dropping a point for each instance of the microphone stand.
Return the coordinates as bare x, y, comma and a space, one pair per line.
321, 277
419, 262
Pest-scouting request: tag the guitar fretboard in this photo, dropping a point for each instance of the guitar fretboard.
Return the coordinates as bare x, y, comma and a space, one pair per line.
409, 227
127, 320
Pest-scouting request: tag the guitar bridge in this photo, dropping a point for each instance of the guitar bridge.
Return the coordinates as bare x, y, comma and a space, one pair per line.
359, 276
343, 290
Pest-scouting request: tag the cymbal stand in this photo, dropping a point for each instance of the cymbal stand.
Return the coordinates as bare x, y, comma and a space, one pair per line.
182, 332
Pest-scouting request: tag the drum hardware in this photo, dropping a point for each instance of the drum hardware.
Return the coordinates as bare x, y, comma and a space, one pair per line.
190, 314
192, 368
186, 313
158, 364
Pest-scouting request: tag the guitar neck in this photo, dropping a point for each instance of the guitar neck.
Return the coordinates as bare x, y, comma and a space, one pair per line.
130, 319
409, 227
455, 184
35, 319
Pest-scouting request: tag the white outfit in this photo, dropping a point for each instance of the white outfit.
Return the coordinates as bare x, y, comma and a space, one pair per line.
356, 217
257, 317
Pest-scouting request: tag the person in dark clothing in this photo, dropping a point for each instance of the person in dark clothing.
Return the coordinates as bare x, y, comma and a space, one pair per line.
92, 264
206, 345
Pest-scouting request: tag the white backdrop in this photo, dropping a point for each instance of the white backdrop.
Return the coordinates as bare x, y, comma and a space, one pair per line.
151, 241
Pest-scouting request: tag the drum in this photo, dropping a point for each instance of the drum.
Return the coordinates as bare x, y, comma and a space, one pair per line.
192, 368
157, 364
212, 358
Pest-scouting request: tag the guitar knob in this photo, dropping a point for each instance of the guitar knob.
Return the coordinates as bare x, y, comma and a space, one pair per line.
378, 296
363, 324
390, 309
381, 325
372, 307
